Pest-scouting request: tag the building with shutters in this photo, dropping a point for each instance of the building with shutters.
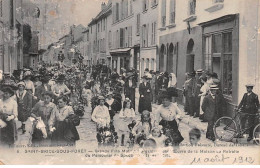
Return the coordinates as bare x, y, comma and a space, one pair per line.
147, 25
99, 34
125, 34
219, 36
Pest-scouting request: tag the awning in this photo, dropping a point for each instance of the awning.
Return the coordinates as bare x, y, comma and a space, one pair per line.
120, 51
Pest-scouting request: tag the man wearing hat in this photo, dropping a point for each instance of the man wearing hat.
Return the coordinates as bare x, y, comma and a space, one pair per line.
130, 86
60, 89
189, 88
212, 107
249, 104
196, 92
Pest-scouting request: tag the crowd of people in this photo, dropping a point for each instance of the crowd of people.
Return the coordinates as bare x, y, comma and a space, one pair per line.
54, 96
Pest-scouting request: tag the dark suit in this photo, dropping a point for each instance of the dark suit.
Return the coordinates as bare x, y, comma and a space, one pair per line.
130, 92
212, 107
190, 99
249, 104
145, 97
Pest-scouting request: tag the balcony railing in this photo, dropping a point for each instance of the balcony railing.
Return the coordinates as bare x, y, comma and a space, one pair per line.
163, 21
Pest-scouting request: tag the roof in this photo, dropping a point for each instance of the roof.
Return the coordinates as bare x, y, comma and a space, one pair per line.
102, 13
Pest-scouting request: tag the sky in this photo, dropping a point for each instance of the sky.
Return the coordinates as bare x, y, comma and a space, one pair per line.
81, 11
60, 15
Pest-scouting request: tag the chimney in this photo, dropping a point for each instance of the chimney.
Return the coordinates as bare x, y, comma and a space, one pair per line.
103, 6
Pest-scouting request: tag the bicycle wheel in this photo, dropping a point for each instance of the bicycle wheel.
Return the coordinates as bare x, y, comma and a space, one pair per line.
225, 128
256, 134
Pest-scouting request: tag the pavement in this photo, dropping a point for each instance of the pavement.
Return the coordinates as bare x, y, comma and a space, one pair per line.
87, 128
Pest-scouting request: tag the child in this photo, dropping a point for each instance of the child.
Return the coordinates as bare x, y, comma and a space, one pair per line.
87, 94
194, 135
158, 137
143, 128
126, 116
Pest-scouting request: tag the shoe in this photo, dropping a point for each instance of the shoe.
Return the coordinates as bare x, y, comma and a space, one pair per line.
249, 139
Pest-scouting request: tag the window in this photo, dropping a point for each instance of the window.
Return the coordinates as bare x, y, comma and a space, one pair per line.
131, 7
154, 3
218, 58
117, 11
227, 64
130, 36
145, 35
152, 64
126, 37
122, 35
145, 5
109, 40
192, 7
163, 13
153, 35
147, 63
1, 8
138, 25
172, 11
101, 23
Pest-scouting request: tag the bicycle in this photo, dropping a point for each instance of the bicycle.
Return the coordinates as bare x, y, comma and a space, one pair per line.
226, 128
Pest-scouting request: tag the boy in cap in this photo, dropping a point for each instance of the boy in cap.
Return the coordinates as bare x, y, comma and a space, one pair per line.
249, 104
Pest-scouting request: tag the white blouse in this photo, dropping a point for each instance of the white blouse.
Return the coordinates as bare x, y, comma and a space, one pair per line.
170, 113
60, 114
129, 113
101, 115
29, 86
9, 106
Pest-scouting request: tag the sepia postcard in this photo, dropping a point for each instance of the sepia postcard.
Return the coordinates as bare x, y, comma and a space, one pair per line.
129, 82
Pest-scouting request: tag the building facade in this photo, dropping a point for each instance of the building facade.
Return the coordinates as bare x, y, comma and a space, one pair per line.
218, 36
125, 41
11, 38
148, 34
98, 32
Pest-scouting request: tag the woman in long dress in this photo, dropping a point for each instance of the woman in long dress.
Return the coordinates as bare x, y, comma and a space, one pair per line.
63, 132
168, 116
42, 111
24, 101
145, 96
9, 114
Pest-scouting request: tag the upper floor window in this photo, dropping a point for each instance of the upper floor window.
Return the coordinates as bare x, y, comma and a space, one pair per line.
163, 13
1, 8
138, 24
192, 7
145, 35
154, 2
172, 11
145, 5
131, 7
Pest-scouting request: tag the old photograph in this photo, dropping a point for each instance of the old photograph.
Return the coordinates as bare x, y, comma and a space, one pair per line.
129, 82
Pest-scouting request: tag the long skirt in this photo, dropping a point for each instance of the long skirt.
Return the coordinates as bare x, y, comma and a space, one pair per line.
145, 104
8, 134
171, 131
62, 136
